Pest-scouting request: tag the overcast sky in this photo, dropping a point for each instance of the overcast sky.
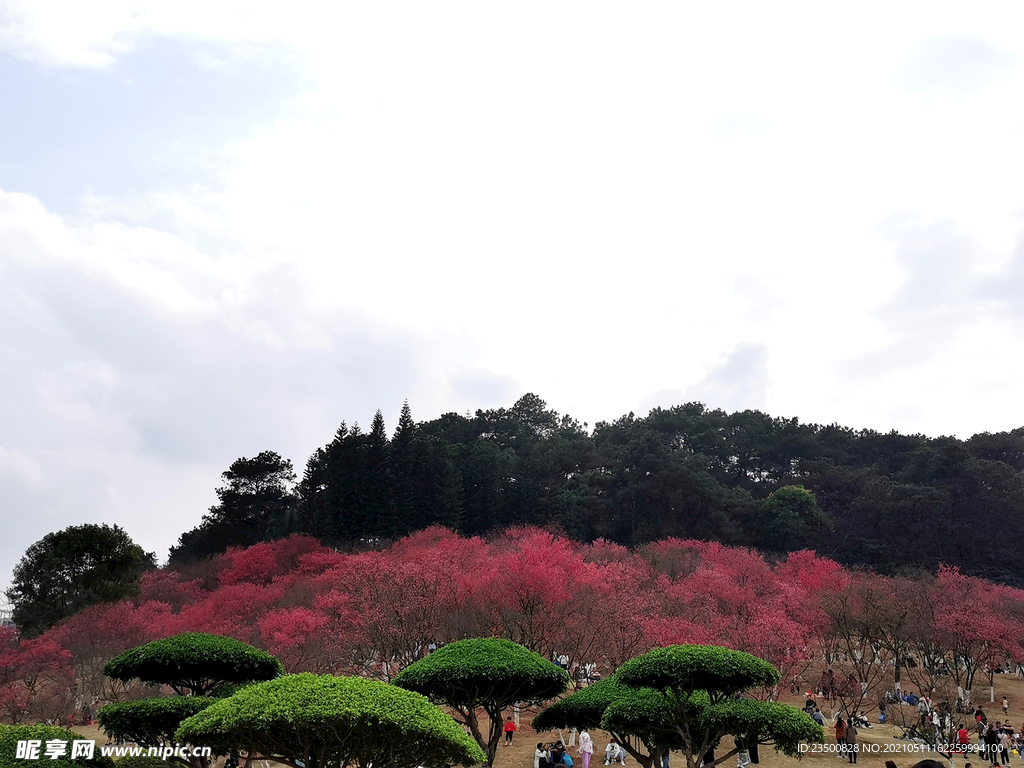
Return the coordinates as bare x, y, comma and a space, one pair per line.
226, 226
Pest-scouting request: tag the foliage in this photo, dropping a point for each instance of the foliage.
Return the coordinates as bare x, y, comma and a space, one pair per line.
256, 504
329, 722
198, 664
719, 671
762, 721
68, 570
689, 471
639, 712
792, 517
489, 673
581, 709
701, 688
194, 662
646, 714
150, 721
93, 636
10, 735
37, 681
484, 671
375, 612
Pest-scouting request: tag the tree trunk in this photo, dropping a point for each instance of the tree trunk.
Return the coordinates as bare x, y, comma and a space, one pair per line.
474, 730
494, 736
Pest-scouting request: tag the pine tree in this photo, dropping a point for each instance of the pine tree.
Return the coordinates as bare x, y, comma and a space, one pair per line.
403, 467
257, 492
376, 487
450, 500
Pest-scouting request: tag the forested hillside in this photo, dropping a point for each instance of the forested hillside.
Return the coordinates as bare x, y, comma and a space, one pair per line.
891, 501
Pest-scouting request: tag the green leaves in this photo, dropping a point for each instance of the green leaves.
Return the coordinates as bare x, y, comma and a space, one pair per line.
69, 570
255, 502
685, 697
719, 671
331, 721
199, 664
645, 713
488, 672
582, 709
768, 722
484, 672
149, 722
194, 662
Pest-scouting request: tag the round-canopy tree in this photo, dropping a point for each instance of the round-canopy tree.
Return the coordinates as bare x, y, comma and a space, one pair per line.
69, 570
792, 517
196, 666
332, 722
150, 722
643, 715
702, 685
488, 673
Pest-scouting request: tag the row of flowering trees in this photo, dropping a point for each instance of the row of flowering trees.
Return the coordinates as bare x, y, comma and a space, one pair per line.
374, 613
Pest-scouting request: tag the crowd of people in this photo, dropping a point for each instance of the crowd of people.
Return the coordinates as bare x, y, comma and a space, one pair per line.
996, 741
555, 754
941, 726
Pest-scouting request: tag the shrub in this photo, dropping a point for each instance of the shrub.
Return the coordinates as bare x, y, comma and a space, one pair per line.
326, 720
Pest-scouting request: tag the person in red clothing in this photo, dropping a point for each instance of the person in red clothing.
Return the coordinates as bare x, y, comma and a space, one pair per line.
510, 728
963, 738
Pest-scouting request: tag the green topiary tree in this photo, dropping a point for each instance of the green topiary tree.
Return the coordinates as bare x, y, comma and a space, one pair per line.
488, 673
642, 725
194, 664
150, 722
197, 667
702, 687
332, 722
10, 735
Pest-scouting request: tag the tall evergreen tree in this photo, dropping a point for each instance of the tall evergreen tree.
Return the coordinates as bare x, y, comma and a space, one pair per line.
344, 477
377, 498
437, 483
256, 492
403, 470
310, 492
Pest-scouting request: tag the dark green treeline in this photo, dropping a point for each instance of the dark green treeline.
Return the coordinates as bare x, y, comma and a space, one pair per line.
890, 501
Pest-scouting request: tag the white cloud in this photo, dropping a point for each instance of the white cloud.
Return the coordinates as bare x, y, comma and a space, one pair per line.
463, 203
956, 63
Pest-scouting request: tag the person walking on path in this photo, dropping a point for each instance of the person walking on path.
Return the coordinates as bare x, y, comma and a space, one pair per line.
586, 747
841, 737
1006, 706
991, 744
851, 742
510, 729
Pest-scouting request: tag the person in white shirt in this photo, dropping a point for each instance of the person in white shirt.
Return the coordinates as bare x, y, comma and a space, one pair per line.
614, 753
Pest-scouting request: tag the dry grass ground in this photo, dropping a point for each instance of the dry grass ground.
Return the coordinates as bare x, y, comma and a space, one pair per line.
878, 744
